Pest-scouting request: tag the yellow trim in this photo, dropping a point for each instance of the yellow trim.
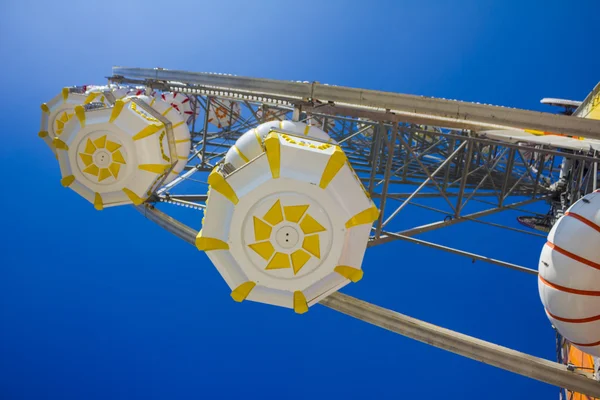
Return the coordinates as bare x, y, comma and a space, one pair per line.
98, 205
300, 304
100, 142
67, 180
103, 174
183, 141
299, 258
280, 124
219, 184
167, 111
59, 144
182, 157
42, 134
279, 261
178, 125
45, 108
310, 225
239, 152
65, 94
350, 273
240, 293
258, 138
312, 244
263, 249
148, 131
92, 169
155, 168
112, 146
90, 98
306, 130
118, 157
274, 215
118, 107
335, 163
153, 101
208, 244
294, 213
273, 150
114, 169
364, 217
135, 199
86, 158
262, 230
80, 113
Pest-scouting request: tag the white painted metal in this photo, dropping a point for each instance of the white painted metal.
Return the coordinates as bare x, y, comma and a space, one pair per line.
302, 164
248, 144
60, 111
106, 161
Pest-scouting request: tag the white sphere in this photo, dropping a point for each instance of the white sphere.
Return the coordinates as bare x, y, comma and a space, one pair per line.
569, 274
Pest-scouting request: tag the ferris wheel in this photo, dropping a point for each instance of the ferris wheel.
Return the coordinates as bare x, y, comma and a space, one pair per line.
288, 184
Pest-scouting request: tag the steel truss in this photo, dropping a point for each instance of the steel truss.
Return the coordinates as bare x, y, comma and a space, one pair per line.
409, 152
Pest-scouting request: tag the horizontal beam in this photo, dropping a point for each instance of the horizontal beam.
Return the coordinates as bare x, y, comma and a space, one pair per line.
476, 349
467, 346
445, 112
470, 255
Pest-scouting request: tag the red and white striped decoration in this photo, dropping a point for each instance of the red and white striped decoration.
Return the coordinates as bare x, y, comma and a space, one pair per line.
569, 274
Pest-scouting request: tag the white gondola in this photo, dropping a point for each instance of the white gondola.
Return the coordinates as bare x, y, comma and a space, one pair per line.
291, 223
60, 109
115, 155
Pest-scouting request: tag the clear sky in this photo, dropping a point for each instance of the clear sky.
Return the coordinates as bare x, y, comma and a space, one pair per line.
105, 305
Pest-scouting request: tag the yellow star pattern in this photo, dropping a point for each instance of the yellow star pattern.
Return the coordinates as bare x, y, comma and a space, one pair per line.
292, 215
102, 144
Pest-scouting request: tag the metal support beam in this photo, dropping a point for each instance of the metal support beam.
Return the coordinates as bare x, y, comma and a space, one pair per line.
476, 349
467, 346
439, 112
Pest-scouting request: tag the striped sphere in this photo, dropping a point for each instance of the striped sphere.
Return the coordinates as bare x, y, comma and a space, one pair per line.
569, 274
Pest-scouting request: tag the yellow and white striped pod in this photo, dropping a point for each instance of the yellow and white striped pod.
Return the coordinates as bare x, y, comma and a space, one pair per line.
115, 155
181, 132
569, 274
223, 113
291, 226
58, 111
250, 144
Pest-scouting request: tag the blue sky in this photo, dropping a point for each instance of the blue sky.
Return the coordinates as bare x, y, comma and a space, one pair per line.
97, 305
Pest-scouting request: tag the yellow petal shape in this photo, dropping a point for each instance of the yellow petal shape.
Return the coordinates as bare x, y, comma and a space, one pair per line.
89, 147
92, 170
312, 245
294, 213
114, 169
112, 146
274, 215
100, 142
263, 249
262, 231
310, 225
279, 261
299, 258
86, 158
118, 157
103, 174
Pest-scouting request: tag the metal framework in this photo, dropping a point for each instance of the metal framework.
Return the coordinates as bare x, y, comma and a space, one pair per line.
409, 152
